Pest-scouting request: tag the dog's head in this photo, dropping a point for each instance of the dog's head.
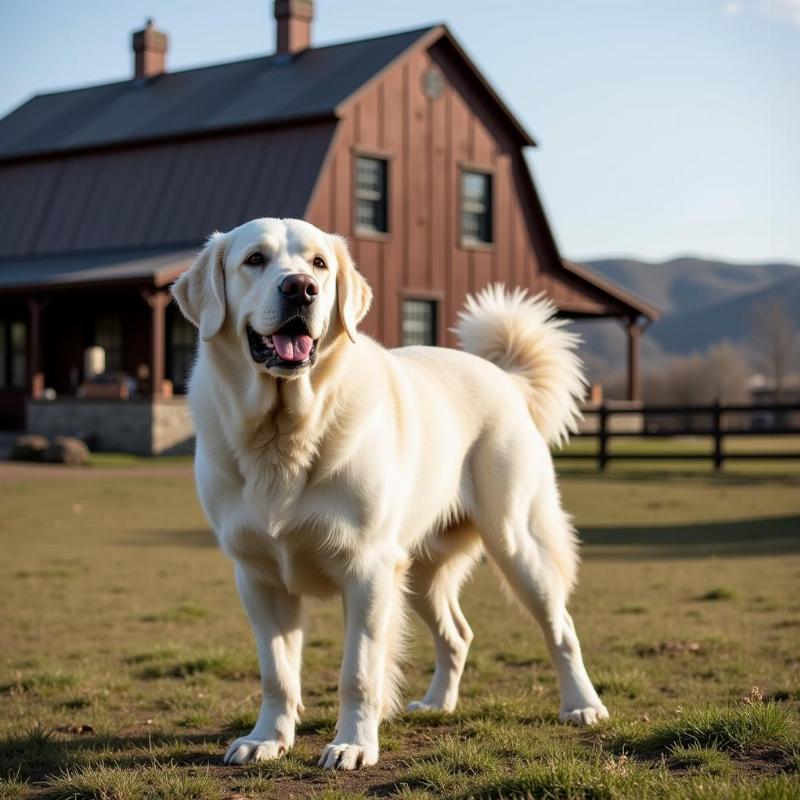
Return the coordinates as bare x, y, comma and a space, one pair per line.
283, 288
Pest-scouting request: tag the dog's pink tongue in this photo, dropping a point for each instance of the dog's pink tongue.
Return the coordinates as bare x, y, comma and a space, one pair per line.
292, 348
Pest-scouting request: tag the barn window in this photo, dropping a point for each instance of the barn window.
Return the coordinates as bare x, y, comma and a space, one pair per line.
371, 190
476, 208
183, 342
419, 322
108, 335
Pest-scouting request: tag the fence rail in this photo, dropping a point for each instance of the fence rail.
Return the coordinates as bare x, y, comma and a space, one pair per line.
786, 422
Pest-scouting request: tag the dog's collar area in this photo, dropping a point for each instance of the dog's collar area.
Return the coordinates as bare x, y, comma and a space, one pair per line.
290, 347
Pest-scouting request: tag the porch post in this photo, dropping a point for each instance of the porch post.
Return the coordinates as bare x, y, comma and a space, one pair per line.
158, 301
35, 368
634, 377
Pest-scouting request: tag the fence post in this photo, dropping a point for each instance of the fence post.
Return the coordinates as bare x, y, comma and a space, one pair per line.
602, 444
716, 423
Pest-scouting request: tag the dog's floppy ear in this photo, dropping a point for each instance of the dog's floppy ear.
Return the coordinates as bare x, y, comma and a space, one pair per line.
353, 293
200, 291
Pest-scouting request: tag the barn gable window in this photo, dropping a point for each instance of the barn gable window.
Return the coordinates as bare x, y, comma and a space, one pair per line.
371, 195
476, 208
419, 322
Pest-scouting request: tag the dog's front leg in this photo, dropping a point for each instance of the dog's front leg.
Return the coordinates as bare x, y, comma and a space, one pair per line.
373, 619
277, 623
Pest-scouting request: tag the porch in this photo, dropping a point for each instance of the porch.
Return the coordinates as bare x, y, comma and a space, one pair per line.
60, 307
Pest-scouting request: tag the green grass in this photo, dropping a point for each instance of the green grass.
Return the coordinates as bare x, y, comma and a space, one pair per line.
121, 619
42, 682
225, 665
11, 788
691, 446
719, 593
696, 758
767, 725
157, 782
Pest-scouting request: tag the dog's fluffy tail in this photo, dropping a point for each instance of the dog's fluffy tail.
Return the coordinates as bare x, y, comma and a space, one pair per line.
521, 335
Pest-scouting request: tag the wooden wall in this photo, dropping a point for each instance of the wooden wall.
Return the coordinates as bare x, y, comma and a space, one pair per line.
426, 142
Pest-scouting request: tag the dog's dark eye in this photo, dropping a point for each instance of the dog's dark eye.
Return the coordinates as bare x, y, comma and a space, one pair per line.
255, 260
319, 262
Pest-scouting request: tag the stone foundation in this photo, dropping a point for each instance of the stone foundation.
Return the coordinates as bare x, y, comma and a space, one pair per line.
141, 426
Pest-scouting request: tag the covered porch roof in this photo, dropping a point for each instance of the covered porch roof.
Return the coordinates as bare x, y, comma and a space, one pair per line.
154, 268
632, 305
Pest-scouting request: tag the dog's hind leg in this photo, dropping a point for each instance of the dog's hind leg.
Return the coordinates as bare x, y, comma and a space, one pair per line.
539, 586
435, 580
532, 543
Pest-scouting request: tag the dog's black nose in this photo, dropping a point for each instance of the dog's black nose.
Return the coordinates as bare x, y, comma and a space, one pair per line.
299, 289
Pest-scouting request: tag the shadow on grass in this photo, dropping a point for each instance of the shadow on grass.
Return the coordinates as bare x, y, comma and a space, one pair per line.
766, 536
752, 537
39, 754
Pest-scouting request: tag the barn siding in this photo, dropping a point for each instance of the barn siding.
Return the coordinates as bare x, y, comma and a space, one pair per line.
427, 142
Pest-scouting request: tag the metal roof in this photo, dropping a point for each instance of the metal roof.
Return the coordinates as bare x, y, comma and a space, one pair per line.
158, 195
272, 90
158, 267
628, 299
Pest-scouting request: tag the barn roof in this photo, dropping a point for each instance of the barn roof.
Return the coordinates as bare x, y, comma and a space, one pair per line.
272, 90
161, 162
164, 195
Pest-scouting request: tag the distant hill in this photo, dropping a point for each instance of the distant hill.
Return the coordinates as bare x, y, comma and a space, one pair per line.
731, 319
687, 283
702, 302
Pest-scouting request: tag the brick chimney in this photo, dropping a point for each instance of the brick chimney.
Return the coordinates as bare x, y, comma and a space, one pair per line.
149, 52
294, 25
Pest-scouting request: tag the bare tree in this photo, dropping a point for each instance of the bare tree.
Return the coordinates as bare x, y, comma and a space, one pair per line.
718, 374
775, 341
728, 369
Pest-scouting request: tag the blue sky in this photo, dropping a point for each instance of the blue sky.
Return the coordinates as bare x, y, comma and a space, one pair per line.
665, 126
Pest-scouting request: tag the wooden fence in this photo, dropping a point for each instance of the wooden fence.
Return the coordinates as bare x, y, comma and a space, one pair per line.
716, 421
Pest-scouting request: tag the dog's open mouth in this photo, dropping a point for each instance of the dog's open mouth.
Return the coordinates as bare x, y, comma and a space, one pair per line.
291, 346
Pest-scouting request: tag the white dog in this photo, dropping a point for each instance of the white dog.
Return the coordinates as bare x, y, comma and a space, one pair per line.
328, 464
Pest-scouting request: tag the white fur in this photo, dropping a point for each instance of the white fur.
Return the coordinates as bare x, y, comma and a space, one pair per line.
378, 475
522, 335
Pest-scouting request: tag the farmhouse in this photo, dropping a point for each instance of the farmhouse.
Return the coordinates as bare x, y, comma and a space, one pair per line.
107, 192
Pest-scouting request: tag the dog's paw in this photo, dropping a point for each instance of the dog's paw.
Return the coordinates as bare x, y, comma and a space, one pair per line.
422, 705
590, 715
347, 756
245, 750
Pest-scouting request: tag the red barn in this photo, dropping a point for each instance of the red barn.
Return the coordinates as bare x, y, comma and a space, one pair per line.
107, 192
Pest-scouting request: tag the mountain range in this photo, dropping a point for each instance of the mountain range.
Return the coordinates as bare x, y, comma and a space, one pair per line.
702, 301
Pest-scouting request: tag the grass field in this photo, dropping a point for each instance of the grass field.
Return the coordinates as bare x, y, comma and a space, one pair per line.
126, 662
685, 446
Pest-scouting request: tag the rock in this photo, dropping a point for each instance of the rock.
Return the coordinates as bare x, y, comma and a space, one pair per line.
29, 447
67, 450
